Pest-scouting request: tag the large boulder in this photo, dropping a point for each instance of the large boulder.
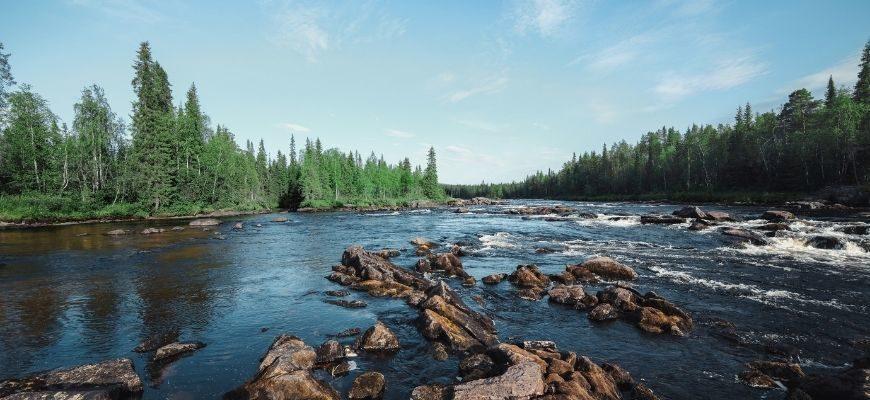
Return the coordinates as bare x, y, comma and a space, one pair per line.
367, 386
378, 338
446, 318
285, 373
205, 222
528, 276
847, 384
521, 381
690, 212
826, 242
609, 268
494, 279
330, 352
777, 215
112, 379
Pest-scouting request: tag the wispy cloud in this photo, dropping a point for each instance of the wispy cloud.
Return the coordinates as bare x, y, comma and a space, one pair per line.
724, 75
295, 127
399, 134
312, 29
131, 10
844, 73
479, 125
544, 17
470, 158
489, 85
616, 55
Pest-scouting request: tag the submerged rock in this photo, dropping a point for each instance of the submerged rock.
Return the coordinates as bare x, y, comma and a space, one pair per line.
347, 303
279, 219
368, 386
773, 227
826, 242
744, 235
699, 225
112, 379
661, 219
847, 384
156, 341
855, 229
205, 222
378, 338
348, 332
172, 351
493, 279
116, 232
238, 226
149, 231
767, 373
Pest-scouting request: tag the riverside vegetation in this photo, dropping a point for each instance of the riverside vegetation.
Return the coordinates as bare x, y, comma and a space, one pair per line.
172, 162
806, 145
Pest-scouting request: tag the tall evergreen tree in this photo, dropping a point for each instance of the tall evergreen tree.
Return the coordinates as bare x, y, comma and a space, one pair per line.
862, 86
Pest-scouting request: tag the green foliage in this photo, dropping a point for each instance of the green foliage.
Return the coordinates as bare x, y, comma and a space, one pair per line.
172, 163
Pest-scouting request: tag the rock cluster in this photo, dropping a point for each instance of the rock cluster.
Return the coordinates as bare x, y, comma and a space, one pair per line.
477, 201
205, 222
535, 370
112, 379
649, 312
532, 283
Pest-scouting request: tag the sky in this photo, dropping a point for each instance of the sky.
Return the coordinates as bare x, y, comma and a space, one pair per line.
500, 89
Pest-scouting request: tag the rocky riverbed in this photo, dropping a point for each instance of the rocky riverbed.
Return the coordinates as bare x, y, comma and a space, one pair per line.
479, 299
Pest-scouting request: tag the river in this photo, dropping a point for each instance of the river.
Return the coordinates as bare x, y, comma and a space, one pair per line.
71, 295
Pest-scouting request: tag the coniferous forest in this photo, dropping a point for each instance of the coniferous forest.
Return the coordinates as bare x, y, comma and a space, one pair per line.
168, 160
805, 145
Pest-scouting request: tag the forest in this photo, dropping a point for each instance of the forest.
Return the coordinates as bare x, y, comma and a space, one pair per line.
804, 146
169, 160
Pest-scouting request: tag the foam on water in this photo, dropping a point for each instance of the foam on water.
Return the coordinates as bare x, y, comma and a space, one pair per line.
620, 221
498, 240
772, 297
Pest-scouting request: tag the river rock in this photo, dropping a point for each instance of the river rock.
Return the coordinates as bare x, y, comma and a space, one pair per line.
603, 312
520, 381
580, 274
847, 384
337, 293
329, 352
855, 229
661, 219
378, 338
450, 264
112, 379
826, 242
149, 231
476, 366
461, 210
609, 268
348, 332
767, 373
387, 253
493, 279
205, 222
156, 341
279, 220
172, 351
744, 235
361, 265
347, 303
777, 216
690, 212
572, 295
773, 227
432, 392
457, 250
718, 216
439, 351
238, 226
369, 386
699, 225
528, 276
116, 232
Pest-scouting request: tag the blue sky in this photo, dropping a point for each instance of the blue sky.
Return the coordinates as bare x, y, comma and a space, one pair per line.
501, 89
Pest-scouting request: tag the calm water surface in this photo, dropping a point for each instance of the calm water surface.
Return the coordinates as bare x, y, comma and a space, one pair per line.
68, 298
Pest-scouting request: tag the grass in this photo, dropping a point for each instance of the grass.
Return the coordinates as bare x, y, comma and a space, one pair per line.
30, 208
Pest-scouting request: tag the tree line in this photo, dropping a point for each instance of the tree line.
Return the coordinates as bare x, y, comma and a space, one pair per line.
169, 160
806, 145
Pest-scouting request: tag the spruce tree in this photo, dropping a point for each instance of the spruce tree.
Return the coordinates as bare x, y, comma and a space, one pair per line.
862, 86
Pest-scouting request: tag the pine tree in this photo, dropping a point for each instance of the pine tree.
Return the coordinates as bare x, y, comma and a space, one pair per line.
430, 176
6, 81
862, 86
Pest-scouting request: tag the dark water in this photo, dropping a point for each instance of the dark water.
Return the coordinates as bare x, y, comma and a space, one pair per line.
67, 299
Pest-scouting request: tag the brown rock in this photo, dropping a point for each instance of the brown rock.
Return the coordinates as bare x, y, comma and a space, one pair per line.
368, 386
205, 222
573, 295
378, 338
609, 268
520, 381
493, 279
329, 352
777, 216
603, 312
110, 379
173, 350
